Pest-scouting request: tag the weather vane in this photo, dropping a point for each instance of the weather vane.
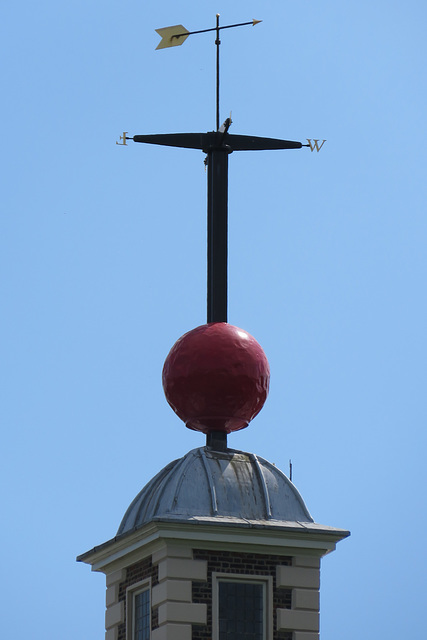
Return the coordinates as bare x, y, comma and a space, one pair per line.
217, 145
176, 35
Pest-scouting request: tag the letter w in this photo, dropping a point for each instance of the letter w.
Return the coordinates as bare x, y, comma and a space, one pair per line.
315, 145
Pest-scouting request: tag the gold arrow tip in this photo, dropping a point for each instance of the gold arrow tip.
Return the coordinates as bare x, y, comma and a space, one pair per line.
172, 36
254, 22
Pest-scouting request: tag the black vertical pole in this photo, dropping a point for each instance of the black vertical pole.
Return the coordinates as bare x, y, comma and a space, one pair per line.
217, 253
217, 217
217, 233
217, 42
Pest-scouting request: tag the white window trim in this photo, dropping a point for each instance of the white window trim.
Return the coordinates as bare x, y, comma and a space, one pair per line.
267, 581
132, 591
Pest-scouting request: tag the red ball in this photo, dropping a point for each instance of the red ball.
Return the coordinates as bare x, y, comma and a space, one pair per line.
216, 378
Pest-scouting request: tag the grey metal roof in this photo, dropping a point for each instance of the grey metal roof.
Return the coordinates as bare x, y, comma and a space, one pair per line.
215, 485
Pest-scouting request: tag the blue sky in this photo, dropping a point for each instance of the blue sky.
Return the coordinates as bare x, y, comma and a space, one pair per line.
103, 267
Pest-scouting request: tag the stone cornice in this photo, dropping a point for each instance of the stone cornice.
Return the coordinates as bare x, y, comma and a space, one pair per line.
226, 533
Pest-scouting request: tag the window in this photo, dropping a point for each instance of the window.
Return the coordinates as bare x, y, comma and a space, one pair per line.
241, 606
141, 616
139, 612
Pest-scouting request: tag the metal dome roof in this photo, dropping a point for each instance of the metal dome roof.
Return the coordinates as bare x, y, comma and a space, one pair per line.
217, 485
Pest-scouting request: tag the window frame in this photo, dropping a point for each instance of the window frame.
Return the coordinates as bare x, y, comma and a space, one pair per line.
265, 580
131, 592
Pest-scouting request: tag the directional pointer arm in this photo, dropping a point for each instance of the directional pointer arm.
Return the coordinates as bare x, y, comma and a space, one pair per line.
216, 140
183, 140
253, 143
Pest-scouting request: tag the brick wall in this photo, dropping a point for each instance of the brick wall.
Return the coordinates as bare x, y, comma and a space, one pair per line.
135, 573
239, 563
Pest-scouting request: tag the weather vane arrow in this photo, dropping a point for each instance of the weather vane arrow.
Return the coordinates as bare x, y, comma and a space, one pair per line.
177, 35
217, 145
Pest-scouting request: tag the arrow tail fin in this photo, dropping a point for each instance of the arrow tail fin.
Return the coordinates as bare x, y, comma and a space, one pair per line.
172, 36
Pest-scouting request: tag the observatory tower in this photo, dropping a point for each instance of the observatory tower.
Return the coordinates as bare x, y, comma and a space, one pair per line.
219, 545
